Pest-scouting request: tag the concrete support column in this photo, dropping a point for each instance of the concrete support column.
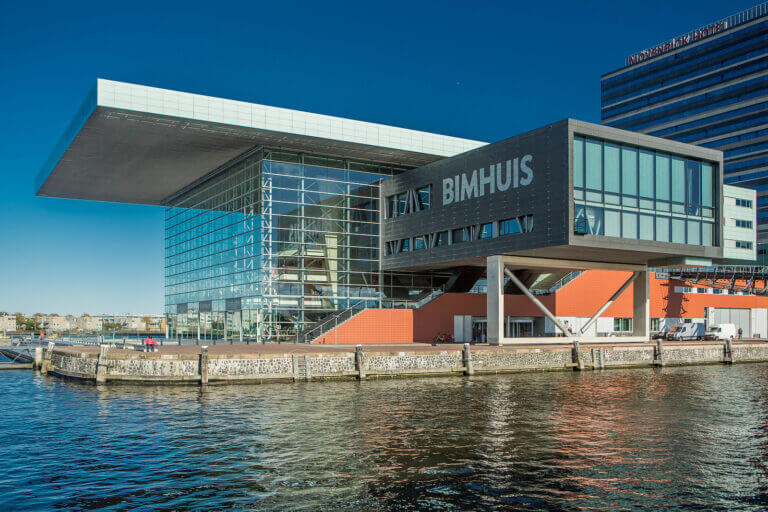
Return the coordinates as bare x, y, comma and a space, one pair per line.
641, 308
495, 299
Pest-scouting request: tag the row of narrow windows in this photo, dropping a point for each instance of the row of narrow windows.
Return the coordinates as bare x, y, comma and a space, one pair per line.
512, 226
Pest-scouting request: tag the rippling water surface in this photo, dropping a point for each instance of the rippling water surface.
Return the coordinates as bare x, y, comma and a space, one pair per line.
683, 438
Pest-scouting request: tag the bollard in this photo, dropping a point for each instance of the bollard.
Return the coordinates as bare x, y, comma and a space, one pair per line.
728, 351
658, 360
359, 362
38, 362
101, 365
47, 358
204, 365
576, 356
466, 354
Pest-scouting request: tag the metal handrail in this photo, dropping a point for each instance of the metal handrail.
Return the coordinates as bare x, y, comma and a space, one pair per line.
310, 335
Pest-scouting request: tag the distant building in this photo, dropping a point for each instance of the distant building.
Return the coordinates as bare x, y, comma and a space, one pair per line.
7, 323
88, 323
707, 87
57, 323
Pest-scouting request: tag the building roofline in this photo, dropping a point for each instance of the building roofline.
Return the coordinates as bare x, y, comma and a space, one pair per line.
128, 137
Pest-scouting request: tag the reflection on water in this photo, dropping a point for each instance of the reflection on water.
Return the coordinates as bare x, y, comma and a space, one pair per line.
678, 437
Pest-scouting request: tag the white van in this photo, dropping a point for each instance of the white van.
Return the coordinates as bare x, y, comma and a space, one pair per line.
691, 331
722, 332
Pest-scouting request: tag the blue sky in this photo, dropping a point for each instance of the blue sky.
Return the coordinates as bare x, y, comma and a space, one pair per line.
480, 70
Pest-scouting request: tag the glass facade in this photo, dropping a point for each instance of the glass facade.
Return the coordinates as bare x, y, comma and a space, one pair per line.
713, 93
275, 243
629, 192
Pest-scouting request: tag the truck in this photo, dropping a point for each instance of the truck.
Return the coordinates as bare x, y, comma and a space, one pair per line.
722, 332
686, 331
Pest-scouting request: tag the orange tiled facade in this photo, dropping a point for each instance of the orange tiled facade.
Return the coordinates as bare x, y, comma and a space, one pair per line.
580, 298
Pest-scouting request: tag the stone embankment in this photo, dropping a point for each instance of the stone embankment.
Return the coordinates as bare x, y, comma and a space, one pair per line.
266, 363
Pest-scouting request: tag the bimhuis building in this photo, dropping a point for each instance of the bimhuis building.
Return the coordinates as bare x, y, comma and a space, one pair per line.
277, 220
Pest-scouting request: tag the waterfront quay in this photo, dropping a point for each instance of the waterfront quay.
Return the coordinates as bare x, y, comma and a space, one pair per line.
262, 363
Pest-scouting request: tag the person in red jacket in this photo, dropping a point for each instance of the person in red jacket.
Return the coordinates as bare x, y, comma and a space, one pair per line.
150, 345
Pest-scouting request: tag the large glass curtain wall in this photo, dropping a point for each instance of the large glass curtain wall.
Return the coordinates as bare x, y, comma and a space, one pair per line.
276, 243
320, 239
629, 192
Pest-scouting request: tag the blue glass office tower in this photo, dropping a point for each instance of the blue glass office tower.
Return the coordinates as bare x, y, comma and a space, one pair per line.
708, 87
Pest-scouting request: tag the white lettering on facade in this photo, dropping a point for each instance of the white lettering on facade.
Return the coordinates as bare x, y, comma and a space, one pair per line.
517, 172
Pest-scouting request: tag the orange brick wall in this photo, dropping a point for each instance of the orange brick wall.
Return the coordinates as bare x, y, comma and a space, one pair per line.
374, 326
581, 298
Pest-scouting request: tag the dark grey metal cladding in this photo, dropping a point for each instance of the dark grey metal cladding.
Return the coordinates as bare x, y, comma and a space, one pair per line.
546, 197
549, 198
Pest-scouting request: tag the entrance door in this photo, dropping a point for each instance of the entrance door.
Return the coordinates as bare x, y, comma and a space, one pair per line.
520, 328
479, 331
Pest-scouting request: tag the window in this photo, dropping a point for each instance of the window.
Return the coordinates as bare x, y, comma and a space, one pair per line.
625, 179
391, 206
629, 175
694, 232
646, 227
486, 230
419, 243
628, 224
612, 169
655, 324
441, 238
424, 194
678, 231
402, 203
743, 244
459, 235
743, 223
662, 178
646, 174
594, 165
746, 203
405, 245
509, 227
622, 324
612, 223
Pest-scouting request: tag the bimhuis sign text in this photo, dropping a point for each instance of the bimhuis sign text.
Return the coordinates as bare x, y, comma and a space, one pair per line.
499, 177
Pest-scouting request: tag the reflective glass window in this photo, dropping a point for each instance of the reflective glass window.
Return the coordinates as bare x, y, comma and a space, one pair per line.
628, 225
662, 229
646, 227
678, 231
594, 165
612, 178
612, 223
662, 177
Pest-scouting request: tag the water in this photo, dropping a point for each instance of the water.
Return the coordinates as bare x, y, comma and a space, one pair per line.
694, 437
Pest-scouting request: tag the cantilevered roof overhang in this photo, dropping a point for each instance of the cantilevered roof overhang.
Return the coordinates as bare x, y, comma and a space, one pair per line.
137, 144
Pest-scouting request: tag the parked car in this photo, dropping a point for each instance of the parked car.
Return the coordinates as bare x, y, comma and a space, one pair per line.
689, 331
722, 332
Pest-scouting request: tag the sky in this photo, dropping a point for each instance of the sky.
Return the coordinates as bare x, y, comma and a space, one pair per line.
479, 70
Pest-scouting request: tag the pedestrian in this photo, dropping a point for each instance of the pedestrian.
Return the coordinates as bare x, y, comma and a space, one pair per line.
150, 345
740, 332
